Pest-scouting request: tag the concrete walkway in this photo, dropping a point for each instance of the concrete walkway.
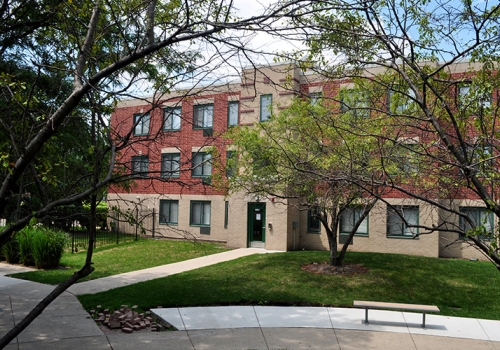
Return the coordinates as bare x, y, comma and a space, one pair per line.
66, 325
335, 328
125, 279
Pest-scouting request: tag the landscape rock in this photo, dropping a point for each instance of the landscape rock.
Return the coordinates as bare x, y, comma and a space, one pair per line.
128, 320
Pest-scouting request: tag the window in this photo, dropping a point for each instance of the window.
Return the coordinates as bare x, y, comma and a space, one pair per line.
463, 95
315, 98
349, 219
482, 220
232, 113
402, 159
203, 116
399, 101
200, 213
401, 221
313, 223
170, 165
354, 102
169, 212
172, 119
265, 107
140, 166
202, 165
141, 122
468, 98
226, 213
261, 162
231, 164
480, 157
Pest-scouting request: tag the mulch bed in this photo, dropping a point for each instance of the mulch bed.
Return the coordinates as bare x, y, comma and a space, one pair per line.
326, 269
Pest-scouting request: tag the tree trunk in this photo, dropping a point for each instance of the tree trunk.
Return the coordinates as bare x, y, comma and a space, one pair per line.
332, 233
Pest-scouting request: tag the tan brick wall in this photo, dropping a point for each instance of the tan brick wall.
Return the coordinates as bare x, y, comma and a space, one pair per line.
277, 216
449, 244
237, 222
183, 229
377, 240
235, 235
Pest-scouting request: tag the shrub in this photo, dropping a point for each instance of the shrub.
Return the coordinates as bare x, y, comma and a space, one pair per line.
41, 246
24, 240
48, 247
10, 251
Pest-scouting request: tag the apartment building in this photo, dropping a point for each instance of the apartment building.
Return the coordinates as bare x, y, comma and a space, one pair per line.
175, 136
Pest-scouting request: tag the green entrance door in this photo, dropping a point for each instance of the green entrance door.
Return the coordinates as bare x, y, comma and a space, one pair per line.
256, 224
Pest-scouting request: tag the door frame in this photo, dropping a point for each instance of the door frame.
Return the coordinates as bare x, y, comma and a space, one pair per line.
250, 221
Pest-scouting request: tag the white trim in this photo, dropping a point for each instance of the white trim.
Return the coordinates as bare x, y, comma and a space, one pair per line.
170, 150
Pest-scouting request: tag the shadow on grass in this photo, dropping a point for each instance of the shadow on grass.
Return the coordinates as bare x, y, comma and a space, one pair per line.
277, 279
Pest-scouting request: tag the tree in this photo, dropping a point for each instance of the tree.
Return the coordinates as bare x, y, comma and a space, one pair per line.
303, 157
65, 65
431, 69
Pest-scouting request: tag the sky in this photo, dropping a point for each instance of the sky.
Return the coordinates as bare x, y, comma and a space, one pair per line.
264, 45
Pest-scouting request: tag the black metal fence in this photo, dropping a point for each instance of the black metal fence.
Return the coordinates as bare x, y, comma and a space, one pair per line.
135, 222
79, 240
113, 228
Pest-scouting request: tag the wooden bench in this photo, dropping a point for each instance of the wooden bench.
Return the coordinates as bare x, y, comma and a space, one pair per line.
395, 306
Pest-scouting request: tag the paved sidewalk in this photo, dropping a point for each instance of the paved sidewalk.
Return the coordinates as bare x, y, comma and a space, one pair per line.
222, 317
66, 325
124, 279
63, 325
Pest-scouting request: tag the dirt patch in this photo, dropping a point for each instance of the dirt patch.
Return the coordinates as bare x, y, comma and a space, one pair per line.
326, 269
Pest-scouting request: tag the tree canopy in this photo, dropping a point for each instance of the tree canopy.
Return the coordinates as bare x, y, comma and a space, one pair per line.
430, 69
304, 156
64, 65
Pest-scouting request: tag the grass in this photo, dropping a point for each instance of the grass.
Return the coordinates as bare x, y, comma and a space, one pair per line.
125, 257
458, 287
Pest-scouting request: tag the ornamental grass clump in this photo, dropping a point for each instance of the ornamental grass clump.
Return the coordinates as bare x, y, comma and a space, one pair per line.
41, 246
10, 251
48, 247
24, 240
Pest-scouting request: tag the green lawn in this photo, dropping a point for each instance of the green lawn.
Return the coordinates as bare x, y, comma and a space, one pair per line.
458, 287
124, 257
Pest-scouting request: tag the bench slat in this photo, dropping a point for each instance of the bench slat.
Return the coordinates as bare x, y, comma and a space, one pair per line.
395, 306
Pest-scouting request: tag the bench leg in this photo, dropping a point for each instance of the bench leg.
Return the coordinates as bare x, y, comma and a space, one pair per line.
366, 315
423, 321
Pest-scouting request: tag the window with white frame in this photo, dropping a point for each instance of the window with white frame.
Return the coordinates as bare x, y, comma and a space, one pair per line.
469, 98
140, 165
203, 116
172, 118
200, 213
399, 101
141, 122
170, 164
482, 222
480, 156
348, 220
232, 113
355, 103
402, 221
405, 158
202, 164
315, 98
266, 102
169, 212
